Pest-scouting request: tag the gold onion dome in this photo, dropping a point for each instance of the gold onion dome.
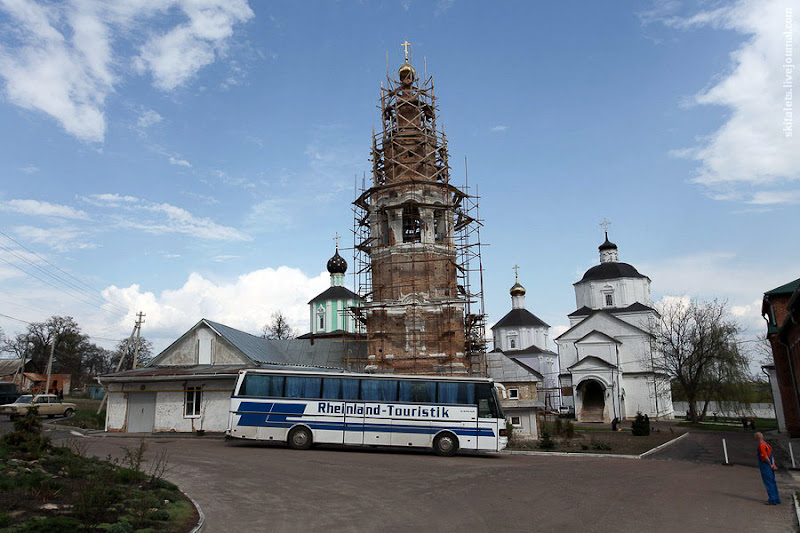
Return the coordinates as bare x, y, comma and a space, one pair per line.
517, 290
406, 70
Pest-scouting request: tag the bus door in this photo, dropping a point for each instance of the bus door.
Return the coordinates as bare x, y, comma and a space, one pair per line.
354, 423
489, 417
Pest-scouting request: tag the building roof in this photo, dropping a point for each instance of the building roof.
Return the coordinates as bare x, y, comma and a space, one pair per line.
611, 270
634, 307
316, 352
9, 366
596, 312
788, 288
504, 369
590, 358
530, 350
336, 293
520, 317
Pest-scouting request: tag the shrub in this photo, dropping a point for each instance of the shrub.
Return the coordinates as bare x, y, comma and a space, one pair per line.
569, 429
546, 442
27, 438
600, 445
641, 425
121, 527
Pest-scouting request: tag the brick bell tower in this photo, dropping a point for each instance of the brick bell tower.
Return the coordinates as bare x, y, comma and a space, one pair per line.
414, 313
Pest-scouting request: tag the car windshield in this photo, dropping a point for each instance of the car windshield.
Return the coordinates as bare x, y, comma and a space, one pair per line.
24, 399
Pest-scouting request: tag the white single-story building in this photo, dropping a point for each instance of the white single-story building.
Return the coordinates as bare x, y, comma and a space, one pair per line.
187, 387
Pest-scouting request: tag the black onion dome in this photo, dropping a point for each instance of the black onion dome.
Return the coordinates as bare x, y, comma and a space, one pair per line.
337, 264
611, 271
608, 245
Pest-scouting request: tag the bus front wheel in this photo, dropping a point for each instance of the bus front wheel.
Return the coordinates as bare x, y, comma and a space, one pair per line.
300, 438
445, 445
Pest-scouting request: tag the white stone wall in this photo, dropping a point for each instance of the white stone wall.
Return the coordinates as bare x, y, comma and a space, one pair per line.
170, 400
625, 291
528, 428
186, 351
525, 337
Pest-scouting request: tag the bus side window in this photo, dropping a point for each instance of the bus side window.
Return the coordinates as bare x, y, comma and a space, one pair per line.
340, 389
263, 385
302, 387
462, 393
418, 391
379, 390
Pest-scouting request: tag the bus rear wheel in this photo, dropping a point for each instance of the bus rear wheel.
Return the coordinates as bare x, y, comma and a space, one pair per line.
445, 445
300, 438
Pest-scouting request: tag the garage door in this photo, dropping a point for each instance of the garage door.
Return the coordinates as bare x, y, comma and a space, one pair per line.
141, 412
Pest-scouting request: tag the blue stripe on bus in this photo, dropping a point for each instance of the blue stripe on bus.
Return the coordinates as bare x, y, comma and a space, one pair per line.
258, 414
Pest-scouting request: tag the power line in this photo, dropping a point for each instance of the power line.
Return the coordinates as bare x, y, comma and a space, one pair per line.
92, 291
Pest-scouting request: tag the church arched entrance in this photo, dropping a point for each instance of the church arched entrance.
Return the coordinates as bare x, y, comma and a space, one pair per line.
593, 402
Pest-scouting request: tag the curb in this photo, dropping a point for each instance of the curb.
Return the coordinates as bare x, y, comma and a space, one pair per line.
201, 522
662, 446
602, 455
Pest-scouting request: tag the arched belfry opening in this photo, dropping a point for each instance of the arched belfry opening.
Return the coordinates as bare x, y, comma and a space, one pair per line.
593, 404
417, 238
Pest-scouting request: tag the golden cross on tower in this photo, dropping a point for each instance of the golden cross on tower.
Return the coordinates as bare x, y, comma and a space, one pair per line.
405, 46
336, 239
516, 272
605, 224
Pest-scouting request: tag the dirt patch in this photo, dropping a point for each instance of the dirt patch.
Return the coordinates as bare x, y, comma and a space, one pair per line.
620, 442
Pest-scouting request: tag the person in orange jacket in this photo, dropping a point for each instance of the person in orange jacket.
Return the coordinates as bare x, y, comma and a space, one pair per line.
766, 463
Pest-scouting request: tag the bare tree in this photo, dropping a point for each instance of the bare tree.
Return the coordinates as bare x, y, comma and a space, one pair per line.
278, 328
700, 350
144, 357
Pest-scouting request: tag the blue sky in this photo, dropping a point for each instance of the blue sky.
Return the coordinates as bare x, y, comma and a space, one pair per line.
195, 160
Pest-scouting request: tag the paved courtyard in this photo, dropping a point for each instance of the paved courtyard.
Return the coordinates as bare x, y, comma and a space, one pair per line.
249, 487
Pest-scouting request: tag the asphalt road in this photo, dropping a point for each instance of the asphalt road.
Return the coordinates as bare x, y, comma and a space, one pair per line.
246, 487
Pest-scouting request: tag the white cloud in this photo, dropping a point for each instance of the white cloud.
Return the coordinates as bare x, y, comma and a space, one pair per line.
179, 162
177, 55
37, 208
59, 58
245, 303
775, 197
30, 169
173, 219
497, 128
751, 149
59, 238
109, 199
148, 118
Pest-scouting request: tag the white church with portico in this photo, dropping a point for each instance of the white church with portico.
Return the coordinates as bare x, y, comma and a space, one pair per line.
606, 356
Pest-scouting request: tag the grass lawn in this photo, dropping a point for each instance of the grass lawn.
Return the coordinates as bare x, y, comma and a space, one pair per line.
50, 488
597, 441
762, 424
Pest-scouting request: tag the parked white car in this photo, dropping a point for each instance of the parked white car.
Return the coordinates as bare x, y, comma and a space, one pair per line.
48, 404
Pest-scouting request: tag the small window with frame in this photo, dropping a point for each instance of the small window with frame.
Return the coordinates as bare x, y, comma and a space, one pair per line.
192, 401
516, 421
609, 300
513, 394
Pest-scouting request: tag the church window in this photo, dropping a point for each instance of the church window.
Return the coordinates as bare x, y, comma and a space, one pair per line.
609, 300
384, 228
438, 226
513, 394
412, 224
516, 421
321, 318
512, 343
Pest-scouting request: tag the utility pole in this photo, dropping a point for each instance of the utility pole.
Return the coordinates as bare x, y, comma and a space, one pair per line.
139, 322
50, 364
119, 363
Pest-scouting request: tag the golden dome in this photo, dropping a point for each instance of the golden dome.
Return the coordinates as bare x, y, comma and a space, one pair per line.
517, 290
406, 70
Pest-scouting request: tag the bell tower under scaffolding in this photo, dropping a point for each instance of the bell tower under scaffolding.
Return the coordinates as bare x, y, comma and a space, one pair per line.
416, 242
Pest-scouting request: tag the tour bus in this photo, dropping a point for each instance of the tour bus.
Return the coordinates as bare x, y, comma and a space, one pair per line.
302, 408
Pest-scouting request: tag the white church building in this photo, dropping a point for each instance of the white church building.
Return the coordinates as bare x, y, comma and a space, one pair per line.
607, 353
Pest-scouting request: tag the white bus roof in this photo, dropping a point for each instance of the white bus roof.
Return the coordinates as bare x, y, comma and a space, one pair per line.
344, 374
